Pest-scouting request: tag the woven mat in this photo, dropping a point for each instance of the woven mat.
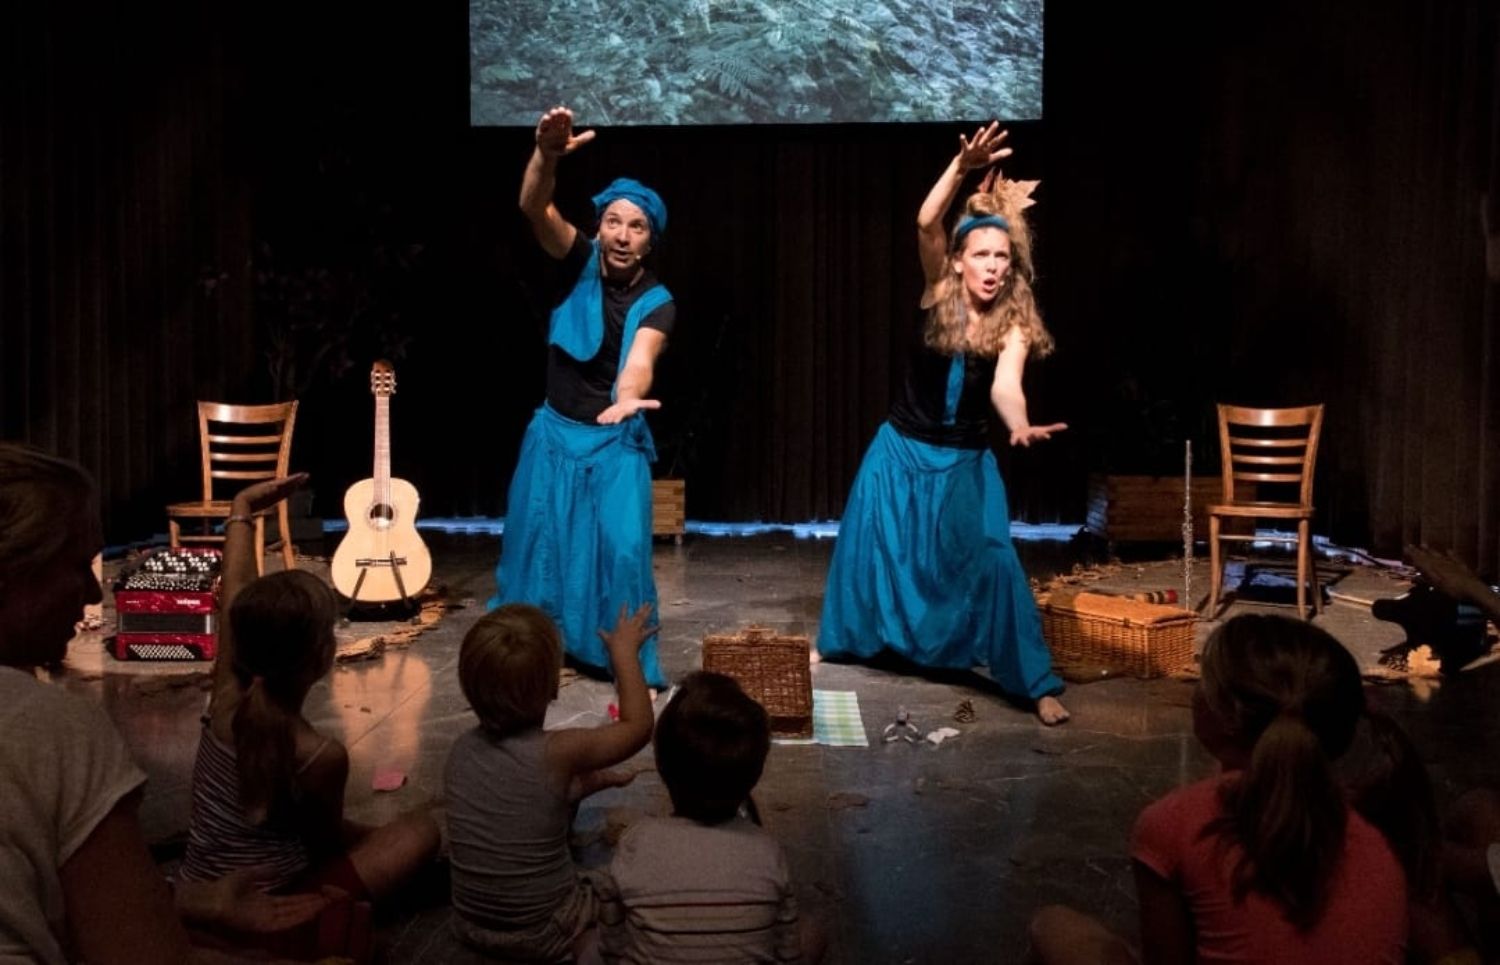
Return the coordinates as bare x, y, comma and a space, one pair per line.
366, 640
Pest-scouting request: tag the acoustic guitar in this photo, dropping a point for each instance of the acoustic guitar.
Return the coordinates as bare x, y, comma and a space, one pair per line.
381, 559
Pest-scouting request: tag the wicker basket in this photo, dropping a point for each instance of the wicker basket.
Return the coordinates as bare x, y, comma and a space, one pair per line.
771, 668
1141, 639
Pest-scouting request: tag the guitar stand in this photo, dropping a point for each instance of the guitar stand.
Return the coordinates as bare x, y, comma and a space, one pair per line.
408, 605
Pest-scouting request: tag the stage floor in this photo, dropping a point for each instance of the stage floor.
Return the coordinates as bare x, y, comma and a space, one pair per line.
907, 852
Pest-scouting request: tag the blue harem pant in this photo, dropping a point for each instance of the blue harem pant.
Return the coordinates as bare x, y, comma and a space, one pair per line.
924, 567
577, 538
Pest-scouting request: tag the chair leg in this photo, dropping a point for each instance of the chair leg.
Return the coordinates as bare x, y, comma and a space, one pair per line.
174, 533
1312, 573
260, 546
1217, 580
1302, 555
288, 551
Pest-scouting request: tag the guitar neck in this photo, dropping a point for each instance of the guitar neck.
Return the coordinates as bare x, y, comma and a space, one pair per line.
382, 472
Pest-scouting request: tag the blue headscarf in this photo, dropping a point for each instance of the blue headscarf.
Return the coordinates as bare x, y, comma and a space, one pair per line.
577, 325
639, 195
979, 221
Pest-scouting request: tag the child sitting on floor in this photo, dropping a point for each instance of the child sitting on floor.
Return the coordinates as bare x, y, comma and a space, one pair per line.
268, 788
1268, 861
512, 787
707, 883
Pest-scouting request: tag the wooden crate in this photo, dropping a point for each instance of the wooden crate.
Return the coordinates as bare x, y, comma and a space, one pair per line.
1141, 639
1148, 508
773, 669
668, 507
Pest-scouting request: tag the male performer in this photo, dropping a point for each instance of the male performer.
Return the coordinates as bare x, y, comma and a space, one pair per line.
578, 523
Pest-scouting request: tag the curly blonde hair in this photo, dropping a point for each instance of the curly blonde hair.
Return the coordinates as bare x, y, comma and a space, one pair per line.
947, 320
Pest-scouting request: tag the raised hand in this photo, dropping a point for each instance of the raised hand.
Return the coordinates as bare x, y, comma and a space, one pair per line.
1030, 434
983, 149
554, 133
624, 409
630, 632
261, 495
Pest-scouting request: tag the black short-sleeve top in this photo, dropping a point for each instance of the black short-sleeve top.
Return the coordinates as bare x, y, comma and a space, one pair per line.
580, 389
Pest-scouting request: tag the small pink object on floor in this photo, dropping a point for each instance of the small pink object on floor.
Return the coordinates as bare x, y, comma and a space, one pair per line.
388, 780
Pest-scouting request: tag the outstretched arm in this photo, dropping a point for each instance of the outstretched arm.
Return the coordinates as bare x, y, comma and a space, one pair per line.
1448, 574
576, 751
982, 150
554, 139
635, 378
1008, 397
239, 565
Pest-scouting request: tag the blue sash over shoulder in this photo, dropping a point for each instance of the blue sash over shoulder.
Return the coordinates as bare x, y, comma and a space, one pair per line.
577, 325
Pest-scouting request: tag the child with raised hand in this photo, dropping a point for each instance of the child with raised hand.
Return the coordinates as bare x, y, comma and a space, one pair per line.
707, 883
511, 787
268, 788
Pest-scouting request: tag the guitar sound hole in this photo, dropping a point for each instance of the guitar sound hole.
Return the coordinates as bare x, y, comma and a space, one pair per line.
382, 515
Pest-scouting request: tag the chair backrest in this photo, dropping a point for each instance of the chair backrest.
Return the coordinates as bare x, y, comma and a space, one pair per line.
244, 442
1275, 447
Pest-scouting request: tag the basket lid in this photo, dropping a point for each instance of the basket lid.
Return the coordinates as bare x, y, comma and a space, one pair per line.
1119, 608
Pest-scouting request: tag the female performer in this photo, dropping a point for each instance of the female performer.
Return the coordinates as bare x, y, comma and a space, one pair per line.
924, 564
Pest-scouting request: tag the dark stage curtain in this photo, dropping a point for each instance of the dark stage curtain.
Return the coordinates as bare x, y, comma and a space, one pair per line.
1283, 207
125, 243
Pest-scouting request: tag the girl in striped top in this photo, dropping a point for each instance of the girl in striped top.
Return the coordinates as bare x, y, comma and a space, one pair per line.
268, 788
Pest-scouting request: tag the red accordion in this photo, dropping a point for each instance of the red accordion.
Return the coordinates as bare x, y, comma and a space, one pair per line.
166, 606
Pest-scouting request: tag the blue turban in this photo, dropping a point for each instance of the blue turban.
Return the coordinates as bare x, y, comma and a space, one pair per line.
639, 195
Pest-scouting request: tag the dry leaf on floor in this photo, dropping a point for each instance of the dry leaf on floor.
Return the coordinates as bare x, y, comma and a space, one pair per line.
843, 800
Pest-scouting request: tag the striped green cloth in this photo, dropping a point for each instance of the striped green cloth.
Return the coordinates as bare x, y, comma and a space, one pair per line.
836, 721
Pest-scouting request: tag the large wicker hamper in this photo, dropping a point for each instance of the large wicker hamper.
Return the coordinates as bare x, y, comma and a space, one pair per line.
1141, 639
771, 668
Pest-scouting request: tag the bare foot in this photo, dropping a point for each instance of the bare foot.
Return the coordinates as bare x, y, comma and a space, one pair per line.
1050, 711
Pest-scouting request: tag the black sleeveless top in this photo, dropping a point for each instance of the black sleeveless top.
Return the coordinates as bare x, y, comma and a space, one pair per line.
920, 406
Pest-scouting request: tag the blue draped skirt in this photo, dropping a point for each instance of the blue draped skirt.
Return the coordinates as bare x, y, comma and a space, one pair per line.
924, 567
577, 538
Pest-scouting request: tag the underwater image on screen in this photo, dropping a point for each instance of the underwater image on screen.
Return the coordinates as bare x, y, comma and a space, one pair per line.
648, 62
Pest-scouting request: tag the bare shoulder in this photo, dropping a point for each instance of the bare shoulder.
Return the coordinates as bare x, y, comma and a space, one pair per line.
320, 759
563, 748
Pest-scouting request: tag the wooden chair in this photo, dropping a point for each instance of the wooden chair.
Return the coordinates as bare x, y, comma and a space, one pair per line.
241, 443
1261, 450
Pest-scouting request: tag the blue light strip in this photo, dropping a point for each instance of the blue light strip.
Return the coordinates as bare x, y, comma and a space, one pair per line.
817, 529
825, 529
